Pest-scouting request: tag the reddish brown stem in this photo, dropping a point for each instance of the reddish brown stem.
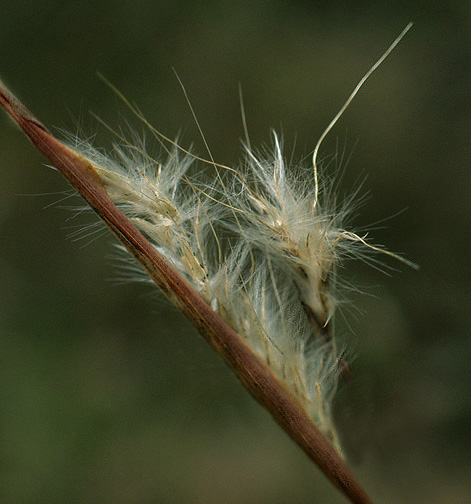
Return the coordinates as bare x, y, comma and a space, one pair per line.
255, 375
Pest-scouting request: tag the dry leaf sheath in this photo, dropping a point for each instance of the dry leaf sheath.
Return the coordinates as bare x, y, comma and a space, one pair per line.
263, 298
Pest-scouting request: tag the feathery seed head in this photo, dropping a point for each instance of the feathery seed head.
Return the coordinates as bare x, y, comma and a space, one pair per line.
261, 245
261, 250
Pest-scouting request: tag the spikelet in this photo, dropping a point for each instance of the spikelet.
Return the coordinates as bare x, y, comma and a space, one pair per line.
160, 201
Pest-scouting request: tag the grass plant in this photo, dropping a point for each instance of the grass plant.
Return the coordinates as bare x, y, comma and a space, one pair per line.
250, 258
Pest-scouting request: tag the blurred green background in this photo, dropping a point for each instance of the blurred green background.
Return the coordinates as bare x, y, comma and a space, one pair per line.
107, 394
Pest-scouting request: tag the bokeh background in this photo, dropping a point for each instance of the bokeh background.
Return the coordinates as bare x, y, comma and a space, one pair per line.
106, 393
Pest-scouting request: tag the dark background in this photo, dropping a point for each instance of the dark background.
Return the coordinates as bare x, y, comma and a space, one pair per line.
107, 394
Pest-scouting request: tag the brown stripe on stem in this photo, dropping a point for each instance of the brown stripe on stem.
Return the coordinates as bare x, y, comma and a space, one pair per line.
251, 370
